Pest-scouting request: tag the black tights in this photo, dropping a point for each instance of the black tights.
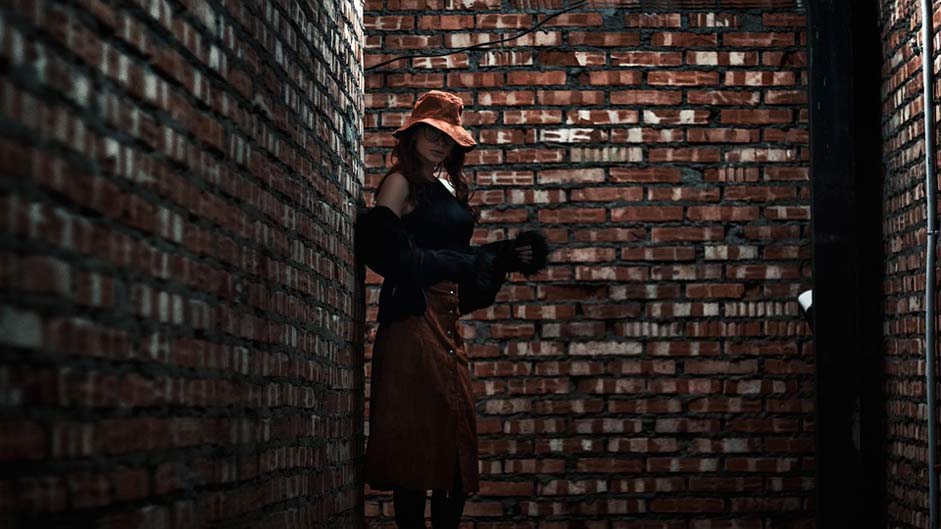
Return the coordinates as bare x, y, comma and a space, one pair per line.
445, 511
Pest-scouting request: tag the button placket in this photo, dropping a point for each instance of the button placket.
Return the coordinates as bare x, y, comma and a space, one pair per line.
452, 321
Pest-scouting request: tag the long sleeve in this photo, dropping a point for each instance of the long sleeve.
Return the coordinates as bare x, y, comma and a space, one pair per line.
383, 244
471, 298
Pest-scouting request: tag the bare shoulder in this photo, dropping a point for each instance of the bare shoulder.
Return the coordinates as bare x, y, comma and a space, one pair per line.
393, 193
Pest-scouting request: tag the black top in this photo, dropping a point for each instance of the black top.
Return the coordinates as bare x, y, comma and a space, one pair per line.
430, 243
440, 220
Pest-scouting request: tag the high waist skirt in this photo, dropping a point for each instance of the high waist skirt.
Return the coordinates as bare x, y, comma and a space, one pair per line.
422, 421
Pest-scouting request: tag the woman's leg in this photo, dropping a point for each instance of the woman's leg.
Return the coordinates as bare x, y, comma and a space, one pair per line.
409, 508
446, 509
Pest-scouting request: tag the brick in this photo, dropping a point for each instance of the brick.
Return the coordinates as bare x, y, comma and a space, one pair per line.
682, 78
722, 213
653, 174
397, 22
576, 19
694, 505
639, 485
572, 215
562, 58
646, 58
677, 464
607, 39
499, 178
413, 41
784, 59
43, 494
714, 20
471, 80
27, 443
646, 135
759, 78
756, 117
646, 97
723, 135
497, 98
45, 275
130, 484
609, 465
674, 117
758, 39
532, 78
690, 154
595, 235
572, 487
783, 20
606, 194
140, 219
684, 40
614, 78
652, 20
507, 488
532, 117
19, 328
569, 97
722, 58
667, 164
501, 21
646, 214
601, 117
669, 234
722, 97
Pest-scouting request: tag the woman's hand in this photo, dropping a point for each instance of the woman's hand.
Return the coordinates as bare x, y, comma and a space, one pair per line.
526, 253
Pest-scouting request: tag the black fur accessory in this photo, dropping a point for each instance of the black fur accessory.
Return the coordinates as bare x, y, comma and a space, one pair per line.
509, 261
537, 240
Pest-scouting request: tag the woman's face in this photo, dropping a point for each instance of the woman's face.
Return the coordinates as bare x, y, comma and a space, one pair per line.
432, 150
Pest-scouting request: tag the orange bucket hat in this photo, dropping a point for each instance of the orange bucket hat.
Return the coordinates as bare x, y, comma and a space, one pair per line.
441, 110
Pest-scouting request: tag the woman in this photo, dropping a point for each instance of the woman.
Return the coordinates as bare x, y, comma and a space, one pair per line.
422, 422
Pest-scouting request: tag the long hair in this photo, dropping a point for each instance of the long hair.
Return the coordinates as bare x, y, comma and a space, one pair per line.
405, 161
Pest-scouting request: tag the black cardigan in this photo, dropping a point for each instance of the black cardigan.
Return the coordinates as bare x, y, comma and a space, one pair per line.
383, 243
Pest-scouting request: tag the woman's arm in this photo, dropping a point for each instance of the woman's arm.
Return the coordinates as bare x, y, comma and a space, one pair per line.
392, 193
383, 244
527, 253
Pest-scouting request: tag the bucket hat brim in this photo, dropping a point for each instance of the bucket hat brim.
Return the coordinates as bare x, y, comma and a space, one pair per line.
456, 132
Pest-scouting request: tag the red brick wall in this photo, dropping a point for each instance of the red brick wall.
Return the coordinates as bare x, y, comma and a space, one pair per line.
658, 375
175, 264
904, 238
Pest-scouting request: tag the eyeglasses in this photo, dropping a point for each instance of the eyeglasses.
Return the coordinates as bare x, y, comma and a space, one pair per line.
435, 135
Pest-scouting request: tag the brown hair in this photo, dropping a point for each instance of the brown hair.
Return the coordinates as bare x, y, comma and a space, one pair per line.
405, 161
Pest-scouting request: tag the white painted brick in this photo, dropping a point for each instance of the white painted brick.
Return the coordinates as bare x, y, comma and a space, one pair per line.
20, 328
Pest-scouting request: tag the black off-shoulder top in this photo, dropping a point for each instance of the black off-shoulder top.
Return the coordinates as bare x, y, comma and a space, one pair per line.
439, 220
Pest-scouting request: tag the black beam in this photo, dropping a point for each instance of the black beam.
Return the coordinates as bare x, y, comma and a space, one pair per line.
845, 50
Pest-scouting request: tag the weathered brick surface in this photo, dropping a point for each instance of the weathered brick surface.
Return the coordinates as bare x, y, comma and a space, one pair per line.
658, 375
904, 226
178, 318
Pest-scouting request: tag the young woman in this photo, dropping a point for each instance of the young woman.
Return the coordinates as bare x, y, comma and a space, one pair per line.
422, 421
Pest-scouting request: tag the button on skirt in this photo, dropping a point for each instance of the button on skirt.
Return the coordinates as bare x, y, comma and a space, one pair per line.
422, 421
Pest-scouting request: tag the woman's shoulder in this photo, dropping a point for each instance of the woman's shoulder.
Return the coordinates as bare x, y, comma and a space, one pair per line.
393, 192
395, 179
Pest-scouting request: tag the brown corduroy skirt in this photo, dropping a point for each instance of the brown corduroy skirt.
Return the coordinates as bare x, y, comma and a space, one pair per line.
422, 421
